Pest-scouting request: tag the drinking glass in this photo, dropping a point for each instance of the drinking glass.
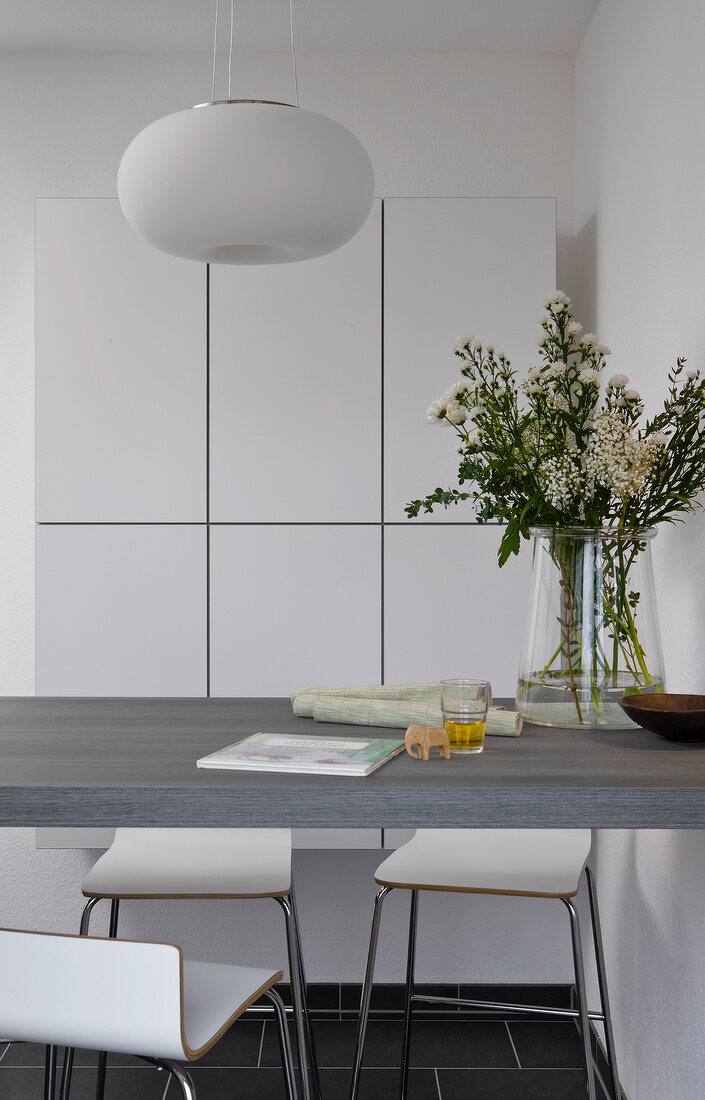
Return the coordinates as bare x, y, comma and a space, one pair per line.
464, 705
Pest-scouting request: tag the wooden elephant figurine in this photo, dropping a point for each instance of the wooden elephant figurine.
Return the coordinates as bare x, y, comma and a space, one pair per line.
423, 738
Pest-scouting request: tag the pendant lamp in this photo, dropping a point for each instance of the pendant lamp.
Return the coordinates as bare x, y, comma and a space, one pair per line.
246, 181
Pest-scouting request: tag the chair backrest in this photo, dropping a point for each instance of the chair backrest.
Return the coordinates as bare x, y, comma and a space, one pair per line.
80, 991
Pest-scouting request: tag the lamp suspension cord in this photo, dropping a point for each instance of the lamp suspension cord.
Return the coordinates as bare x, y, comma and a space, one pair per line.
230, 51
293, 51
215, 47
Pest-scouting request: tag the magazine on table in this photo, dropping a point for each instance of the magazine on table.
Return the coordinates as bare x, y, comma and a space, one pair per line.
315, 754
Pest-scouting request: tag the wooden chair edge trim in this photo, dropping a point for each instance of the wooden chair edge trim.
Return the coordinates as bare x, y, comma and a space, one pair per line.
183, 897
475, 890
192, 1054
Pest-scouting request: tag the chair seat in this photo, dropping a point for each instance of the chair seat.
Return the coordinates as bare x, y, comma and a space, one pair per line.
193, 863
120, 995
528, 862
210, 996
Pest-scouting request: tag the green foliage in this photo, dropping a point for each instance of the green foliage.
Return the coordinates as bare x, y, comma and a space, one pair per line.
551, 450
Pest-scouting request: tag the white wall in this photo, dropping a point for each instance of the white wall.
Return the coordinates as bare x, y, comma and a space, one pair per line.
433, 125
640, 227
443, 124
446, 124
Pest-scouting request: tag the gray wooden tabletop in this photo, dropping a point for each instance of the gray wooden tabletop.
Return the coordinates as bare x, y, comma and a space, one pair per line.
91, 762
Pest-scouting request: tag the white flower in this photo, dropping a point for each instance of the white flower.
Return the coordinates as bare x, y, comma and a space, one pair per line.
477, 345
465, 342
602, 349
460, 448
678, 410
458, 389
540, 341
618, 381
489, 348
556, 297
659, 439
632, 395
435, 413
499, 354
589, 340
474, 411
456, 413
573, 328
473, 438
691, 374
588, 374
558, 369
533, 374
558, 307
616, 460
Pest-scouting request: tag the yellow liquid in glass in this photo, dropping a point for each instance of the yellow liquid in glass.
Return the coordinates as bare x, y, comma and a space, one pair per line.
466, 736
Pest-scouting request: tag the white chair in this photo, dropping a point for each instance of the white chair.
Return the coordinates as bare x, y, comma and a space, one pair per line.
126, 996
205, 863
529, 863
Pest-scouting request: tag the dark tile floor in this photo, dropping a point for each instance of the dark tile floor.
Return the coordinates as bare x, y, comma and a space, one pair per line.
452, 1059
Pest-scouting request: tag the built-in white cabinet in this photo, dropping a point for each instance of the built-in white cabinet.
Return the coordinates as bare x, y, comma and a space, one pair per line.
121, 609
301, 838
295, 384
453, 266
120, 372
213, 449
448, 609
294, 605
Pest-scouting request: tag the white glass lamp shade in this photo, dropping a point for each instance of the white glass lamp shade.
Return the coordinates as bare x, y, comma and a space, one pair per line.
246, 183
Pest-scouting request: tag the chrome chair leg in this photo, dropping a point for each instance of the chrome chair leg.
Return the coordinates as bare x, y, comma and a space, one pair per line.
583, 1017
296, 997
67, 1068
50, 1073
311, 1047
102, 1056
183, 1078
410, 967
602, 983
284, 1044
366, 993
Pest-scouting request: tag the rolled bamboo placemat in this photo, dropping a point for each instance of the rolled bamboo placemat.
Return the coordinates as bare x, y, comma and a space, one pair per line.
303, 698
401, 713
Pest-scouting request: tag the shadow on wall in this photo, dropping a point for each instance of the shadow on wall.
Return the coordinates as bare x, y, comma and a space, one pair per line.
680, 594
582, 284
652, 891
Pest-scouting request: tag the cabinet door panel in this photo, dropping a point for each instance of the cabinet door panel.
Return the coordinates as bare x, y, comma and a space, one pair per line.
295, 387
121, 610
453, 266
338, 839
449, 609
120, 369
292, 606
394, 838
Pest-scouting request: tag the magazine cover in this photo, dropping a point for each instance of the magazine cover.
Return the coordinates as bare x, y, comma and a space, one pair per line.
284, 752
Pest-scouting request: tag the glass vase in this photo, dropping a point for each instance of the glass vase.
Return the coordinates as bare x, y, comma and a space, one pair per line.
593, 634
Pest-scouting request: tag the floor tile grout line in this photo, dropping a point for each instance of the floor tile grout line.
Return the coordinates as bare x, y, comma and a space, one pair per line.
511, 1040
261, 1045
337, 1068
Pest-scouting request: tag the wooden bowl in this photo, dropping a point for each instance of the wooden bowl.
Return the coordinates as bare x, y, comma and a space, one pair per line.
677, 717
